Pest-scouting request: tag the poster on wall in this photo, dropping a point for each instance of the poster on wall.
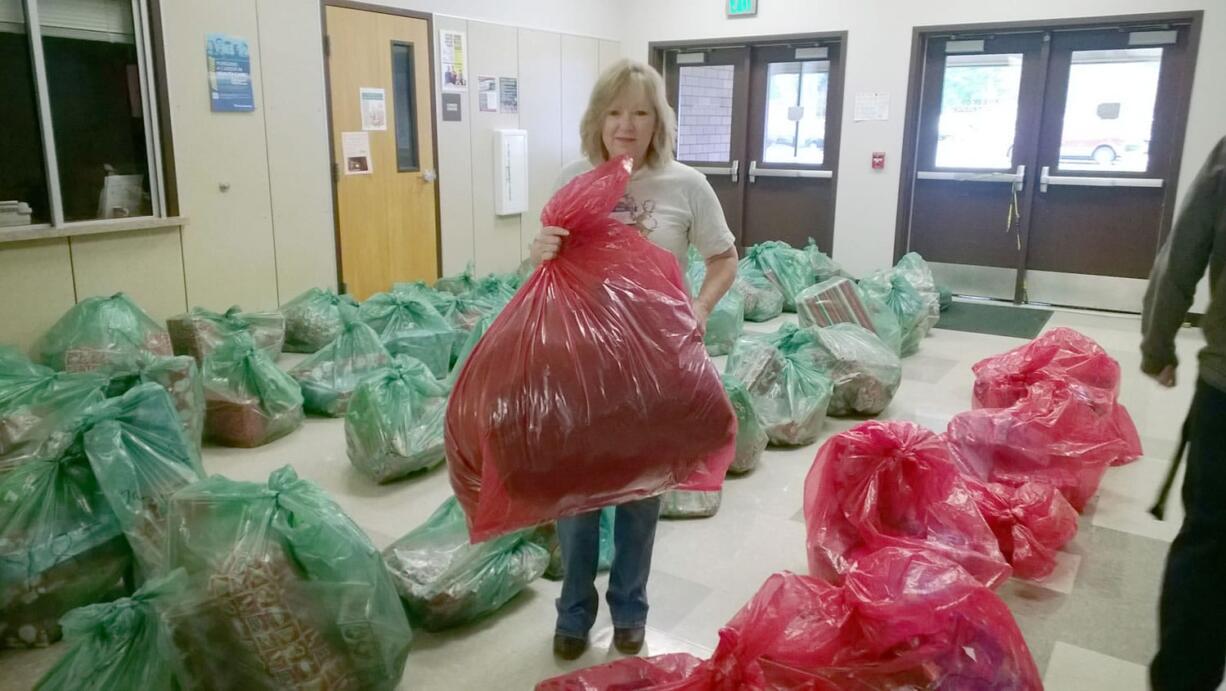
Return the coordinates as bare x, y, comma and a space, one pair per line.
355, 147
509, 88
455, 73
229, 63
487, 94
374, 108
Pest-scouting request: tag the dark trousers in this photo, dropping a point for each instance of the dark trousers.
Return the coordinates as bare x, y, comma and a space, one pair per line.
1192, 636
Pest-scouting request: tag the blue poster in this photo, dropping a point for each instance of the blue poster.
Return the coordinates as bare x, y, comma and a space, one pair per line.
229, 74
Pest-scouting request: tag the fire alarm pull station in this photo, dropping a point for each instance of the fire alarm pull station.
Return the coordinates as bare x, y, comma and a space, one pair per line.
878, 160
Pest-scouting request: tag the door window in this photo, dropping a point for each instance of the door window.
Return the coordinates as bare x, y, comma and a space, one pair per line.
979, 104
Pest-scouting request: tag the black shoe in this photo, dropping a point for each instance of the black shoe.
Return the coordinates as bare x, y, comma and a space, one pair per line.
629, 641
568, 647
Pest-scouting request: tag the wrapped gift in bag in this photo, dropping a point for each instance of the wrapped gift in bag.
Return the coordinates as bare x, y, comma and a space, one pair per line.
315, 318
35, 401
547, 536
446, 581
1031, 523
574, 397
917, 272
330, 376
893, 484
178, 375
840, 301
763, 301
790, 394
284, 591
914, 317
140, 457
249, 401
1061, 434
117, 645
200, 332
97, 331
409, 325
394, 426
865, 373
751, 437
824, 268
788, 268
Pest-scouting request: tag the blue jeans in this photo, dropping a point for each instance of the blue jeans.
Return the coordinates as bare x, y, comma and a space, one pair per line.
634, 535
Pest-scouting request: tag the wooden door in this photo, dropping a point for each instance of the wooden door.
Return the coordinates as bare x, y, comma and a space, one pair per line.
386, 205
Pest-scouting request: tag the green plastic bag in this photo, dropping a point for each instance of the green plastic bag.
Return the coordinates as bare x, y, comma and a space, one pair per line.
459, 284
394, 426
61, 545
917, 272
409, 325
727, 320
178, 375
249, 401
35, 401
763, 301
865, 372
680, 503
96, 330
789, 392
462, 312
751, 439
445, 581
140, 457
474, 337
547, 536
117, 645
284, 591
946, 299
315, 318
914, 317
785, 266
199, 332
495, 288
330, 376
824, 268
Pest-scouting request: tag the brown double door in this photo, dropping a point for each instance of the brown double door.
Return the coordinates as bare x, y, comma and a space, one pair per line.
1045, 161
762, 122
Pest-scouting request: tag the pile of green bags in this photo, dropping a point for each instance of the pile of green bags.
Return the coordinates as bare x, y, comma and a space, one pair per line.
283, 591
249, 401
200, 331
96, 331
394, 426
330, 376
409, 325
788, 268
315, 318
790, 393
446, 581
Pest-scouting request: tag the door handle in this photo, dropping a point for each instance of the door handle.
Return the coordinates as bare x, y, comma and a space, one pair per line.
1046, 178
1018, 179
429, 175
755, 172
732, 171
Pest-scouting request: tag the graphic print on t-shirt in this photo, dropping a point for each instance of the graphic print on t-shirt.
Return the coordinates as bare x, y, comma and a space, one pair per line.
642, 216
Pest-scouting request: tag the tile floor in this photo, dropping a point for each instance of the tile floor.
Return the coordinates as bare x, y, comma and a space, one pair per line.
1090, 627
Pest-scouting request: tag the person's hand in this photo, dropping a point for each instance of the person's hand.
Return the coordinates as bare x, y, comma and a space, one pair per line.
547, 243
1166, 377
701, 313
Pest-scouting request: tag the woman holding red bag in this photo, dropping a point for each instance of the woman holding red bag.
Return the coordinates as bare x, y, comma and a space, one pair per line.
673, 206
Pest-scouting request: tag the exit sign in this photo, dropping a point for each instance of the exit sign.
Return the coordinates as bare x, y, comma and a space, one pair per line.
742, 8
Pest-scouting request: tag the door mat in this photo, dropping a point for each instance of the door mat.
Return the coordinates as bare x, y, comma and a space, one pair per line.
996, 320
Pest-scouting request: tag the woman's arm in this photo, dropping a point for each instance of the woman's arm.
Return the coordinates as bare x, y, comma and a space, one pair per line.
721, 272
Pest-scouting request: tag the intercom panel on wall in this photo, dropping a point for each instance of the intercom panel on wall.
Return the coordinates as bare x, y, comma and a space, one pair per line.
510, 172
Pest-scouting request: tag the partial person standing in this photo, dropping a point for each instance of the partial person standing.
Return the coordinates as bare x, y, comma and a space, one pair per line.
1192, 617
673, 206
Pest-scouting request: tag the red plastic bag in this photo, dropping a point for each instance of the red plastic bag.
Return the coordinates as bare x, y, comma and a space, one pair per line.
903, 619
593, 386
658, 673
1031, 522
1003, 380
887, 484
1061, 434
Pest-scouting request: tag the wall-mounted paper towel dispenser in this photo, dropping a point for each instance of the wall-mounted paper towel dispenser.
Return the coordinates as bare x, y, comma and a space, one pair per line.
510, 172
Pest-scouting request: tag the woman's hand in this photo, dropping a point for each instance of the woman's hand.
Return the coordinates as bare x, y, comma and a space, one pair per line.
547, 244
701, 313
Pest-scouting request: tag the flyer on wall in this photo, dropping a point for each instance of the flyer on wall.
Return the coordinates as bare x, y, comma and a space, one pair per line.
229, 64
455, 74
374, 108
509, 87
487, 94
355, 147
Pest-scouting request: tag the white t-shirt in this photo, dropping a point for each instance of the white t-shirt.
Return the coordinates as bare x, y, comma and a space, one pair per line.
672, 205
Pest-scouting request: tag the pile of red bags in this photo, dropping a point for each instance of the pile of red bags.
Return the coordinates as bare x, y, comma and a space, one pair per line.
593, 386
892, 484
903, 618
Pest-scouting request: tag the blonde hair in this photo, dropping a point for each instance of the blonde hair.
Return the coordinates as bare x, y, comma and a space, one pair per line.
612, 83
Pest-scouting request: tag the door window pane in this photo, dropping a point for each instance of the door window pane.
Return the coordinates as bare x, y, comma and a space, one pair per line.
1109, 112
796, 112
704, 113
23, 179
403, 107
97, 110
979, 111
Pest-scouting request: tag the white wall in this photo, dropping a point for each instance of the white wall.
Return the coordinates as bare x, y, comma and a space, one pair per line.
599, 18
877, 59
